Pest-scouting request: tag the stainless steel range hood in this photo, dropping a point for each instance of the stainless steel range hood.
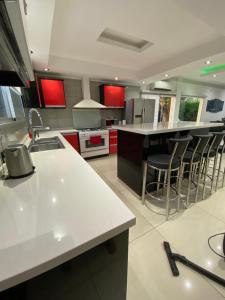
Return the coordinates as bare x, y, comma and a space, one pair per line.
87, 102
15, 64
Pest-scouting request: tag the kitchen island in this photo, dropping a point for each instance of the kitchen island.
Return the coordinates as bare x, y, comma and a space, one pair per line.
137, 141
63, 232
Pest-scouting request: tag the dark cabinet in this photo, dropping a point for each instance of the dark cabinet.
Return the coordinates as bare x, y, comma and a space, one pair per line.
112, 96
30, 96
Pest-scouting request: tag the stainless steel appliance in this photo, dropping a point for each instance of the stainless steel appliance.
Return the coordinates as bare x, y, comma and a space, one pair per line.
94, 142
18, 161
140, 111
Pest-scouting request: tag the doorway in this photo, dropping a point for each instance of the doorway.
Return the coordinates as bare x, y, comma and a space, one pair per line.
164, 108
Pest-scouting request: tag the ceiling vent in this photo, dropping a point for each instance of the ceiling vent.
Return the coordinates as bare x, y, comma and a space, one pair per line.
111, 37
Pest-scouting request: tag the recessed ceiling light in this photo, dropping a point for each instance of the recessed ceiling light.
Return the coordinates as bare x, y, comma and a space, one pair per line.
166, 75
116, 78
143, 82
46, 69
214, 75
208, 62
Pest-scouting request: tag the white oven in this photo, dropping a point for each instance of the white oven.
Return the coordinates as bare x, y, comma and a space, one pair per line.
94, 142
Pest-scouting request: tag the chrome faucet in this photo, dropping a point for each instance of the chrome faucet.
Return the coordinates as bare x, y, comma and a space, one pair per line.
35, 129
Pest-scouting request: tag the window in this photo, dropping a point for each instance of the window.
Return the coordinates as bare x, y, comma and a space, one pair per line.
11, 107
190, 108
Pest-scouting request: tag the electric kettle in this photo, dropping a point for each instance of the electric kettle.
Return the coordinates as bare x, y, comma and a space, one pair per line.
18, 161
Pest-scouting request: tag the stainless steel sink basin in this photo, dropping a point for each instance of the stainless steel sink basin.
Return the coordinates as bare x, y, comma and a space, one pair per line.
46, 144
53, 139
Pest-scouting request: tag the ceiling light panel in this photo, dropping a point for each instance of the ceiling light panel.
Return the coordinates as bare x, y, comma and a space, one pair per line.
115, 38
213, 69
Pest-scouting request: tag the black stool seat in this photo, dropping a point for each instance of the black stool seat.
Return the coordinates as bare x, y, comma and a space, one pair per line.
188, 156
162, 161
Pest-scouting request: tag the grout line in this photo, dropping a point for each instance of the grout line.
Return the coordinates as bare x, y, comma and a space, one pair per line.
151, 229
210, 214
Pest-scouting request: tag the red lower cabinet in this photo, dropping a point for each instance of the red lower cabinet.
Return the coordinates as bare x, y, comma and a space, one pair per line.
73, 139
113, 149
113, 141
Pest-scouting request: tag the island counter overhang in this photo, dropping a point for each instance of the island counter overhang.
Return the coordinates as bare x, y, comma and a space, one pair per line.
136, 141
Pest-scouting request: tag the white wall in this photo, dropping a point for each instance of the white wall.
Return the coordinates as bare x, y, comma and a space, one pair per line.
208, 92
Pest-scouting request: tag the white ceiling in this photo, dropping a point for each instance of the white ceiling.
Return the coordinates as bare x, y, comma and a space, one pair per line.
63, 36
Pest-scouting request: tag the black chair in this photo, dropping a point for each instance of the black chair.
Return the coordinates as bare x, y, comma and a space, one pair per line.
192, 163
211, 153
166, 164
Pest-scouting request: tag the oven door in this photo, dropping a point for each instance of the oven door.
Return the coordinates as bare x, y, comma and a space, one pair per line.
94, 143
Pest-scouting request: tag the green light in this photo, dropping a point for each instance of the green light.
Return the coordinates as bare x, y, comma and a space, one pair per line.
213, 69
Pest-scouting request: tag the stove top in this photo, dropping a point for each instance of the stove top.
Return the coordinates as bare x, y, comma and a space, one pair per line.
93, 129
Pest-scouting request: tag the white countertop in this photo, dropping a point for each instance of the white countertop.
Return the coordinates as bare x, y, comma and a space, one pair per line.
150, 128
59, 212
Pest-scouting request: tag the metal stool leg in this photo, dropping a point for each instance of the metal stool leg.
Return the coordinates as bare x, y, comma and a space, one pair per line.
214, 171
158, 181
189, 185
205, 174
168, 196
180, 177
144, 182
219, 169
198, 180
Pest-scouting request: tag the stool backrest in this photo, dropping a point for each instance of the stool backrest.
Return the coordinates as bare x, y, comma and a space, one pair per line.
216, 140
199, 143
178, 146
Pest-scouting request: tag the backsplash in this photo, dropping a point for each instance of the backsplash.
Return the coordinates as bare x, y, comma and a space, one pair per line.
63, 117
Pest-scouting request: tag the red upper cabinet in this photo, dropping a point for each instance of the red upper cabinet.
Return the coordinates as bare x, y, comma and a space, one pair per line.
53, 92
112, 96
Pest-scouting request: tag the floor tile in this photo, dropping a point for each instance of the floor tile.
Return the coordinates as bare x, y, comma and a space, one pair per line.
215, 205
150, 278
142, 225
149, 275
189, 235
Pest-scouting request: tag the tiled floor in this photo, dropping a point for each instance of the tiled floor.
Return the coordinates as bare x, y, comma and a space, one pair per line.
149, 275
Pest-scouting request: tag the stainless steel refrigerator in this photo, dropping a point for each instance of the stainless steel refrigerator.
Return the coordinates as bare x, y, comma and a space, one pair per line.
140, 111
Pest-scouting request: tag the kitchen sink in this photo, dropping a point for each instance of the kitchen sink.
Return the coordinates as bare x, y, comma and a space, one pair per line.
46, 144
53, 139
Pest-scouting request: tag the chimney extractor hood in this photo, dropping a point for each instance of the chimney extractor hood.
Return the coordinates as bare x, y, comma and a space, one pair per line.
87, 102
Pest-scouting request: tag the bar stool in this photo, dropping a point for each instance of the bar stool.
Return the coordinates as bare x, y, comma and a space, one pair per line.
221, 151
210, 153
166, 164
192, 161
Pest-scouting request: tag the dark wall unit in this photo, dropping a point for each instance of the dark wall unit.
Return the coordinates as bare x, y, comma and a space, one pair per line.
15, 64
30, 96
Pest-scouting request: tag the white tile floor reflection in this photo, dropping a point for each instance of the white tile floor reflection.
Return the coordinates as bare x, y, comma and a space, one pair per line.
149, 275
